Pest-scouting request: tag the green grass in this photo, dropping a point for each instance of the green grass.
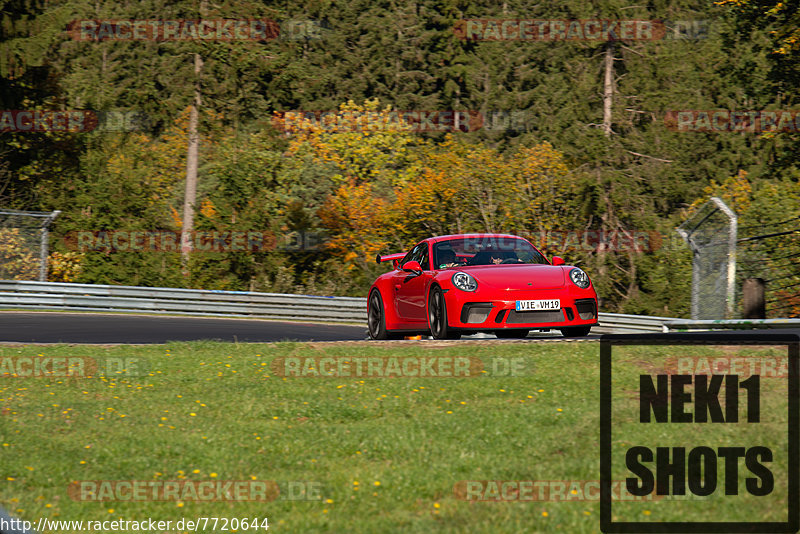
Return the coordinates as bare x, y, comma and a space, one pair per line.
220, 410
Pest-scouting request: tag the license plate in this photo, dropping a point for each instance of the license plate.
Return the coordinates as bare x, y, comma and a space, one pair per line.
536, 305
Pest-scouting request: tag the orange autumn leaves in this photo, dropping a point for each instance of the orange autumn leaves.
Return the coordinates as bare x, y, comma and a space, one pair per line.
357, 218
396, 187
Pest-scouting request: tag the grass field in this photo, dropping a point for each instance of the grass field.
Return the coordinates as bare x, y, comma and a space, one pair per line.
371, 454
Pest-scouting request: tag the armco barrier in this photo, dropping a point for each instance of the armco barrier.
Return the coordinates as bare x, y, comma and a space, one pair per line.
132, 299
685, 325
279, 306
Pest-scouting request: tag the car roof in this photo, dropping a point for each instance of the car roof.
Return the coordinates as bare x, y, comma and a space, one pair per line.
439, 238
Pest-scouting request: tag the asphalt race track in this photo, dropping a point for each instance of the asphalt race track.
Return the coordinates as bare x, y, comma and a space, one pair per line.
97, 328
103, 328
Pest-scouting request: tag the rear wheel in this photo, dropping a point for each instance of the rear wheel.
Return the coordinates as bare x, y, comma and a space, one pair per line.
437, 316
511, 334
376, 318
575, 331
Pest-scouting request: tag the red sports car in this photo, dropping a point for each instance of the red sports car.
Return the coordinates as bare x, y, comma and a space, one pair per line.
463, 284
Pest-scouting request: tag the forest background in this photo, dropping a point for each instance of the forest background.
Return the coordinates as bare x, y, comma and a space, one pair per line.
572, 142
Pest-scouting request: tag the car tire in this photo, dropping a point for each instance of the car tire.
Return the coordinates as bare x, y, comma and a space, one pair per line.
376, 318
575, 331
437, 316
516, 333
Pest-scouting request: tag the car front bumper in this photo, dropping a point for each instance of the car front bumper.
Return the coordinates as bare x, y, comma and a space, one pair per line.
499, 314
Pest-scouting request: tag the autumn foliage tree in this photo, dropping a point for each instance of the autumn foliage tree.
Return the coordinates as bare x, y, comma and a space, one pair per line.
389, 201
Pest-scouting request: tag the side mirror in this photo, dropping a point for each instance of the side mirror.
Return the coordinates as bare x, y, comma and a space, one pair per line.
413, 266
558, 260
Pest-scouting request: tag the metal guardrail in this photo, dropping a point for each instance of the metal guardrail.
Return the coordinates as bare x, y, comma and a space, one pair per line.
620, 323
90, 297
133, 299
730, 324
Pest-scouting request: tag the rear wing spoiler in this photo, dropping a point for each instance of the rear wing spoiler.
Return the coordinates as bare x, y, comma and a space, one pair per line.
394, 258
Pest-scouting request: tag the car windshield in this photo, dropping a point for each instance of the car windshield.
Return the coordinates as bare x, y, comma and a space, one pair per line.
479, 250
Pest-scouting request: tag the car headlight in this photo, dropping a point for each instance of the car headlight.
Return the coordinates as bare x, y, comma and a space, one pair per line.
464, 282
579, 278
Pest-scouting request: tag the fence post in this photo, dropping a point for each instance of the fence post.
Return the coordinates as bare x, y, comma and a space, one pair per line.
711, 233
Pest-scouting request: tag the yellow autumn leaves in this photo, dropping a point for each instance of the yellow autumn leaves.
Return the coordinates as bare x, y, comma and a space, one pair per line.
397, 187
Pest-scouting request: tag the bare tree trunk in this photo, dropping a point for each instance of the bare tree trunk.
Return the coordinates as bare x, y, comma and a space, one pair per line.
608, 88
192, 158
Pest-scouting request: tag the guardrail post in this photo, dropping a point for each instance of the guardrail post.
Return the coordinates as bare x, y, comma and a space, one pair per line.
753, 299
44, 244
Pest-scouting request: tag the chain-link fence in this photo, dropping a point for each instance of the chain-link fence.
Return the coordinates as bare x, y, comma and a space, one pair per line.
711, 234
24, 243
771, 252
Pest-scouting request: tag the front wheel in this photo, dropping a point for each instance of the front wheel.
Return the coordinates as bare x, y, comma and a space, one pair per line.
376, 318
575, 331
437, 316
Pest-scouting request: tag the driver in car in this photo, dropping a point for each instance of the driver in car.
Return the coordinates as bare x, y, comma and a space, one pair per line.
447, 258
504, 257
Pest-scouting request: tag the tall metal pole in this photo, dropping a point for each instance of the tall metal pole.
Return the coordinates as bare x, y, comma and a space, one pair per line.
732, 231
700, 246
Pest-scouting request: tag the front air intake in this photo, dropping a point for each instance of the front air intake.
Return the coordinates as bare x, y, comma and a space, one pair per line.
587, 308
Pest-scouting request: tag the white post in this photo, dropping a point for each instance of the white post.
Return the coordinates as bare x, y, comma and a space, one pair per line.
732, 231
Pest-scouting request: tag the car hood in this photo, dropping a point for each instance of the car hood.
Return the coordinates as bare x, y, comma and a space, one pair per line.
527, 276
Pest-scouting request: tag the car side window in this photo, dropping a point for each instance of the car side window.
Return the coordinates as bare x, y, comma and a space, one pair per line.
424, 260
414, 255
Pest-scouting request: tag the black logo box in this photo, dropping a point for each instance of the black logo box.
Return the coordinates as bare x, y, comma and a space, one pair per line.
790, 341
